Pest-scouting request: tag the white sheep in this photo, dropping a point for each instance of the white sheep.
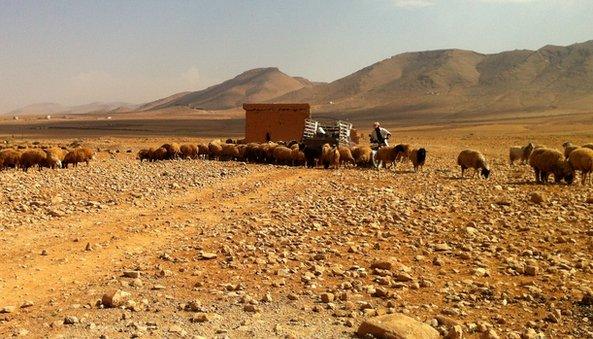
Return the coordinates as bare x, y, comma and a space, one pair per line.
521, 153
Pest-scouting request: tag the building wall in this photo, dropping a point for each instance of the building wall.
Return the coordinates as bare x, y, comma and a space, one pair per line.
282, 121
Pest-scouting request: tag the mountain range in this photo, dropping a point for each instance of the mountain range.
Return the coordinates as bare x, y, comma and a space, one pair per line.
59, 109
448, 82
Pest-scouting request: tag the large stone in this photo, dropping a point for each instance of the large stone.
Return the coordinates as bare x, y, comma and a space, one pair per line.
396, 326
115, 298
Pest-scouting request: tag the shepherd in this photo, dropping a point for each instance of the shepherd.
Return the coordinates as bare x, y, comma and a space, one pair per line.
380, 135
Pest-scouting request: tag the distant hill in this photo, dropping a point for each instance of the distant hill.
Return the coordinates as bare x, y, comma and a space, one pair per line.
461, 82
58, 109
448, 83
256, 85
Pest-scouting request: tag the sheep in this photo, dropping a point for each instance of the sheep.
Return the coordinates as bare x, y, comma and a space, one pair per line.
402, 152
473, 159
418, 157
567, 144
326, 155
312, 154
569, 149
78, 155
56, 152
173, 151
363, 156
282, 155
545, 161
145, 154
251, 153
242, 150
203, 150
31, 158
335, 161
260, 152
346, 155
270, 146
51, 161
10, 158
386, 155
297, 156
214, 149
228, 152
188, 151
158, 154
582, 160
520, 153
589, 146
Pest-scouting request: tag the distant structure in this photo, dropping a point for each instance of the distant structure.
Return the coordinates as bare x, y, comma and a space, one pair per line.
274, 122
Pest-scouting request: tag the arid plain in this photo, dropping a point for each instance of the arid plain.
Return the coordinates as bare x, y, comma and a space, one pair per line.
228, 249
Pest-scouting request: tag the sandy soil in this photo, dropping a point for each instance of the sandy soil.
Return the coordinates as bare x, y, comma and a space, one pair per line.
227, 249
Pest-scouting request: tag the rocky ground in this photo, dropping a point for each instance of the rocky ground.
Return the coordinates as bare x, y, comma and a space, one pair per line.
224, 249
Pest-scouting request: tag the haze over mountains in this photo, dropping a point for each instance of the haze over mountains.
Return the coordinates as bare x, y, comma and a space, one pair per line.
443, 82
59, 109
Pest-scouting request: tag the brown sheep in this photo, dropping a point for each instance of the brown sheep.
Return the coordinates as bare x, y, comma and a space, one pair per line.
473, 159
31, 158
363, 156
78, 155
335, 161
158, 154
56, 152
51, 161
242, 149
10, 158
297, 156
545, 161
214, 149
346, 155
330, 156
582, 160
229, 152
282, 155
386, 155
402, 152
270, 151
251, 154
203, 151
145, 154
418, 157
326, 155
173, 151
569, 149
188, 151
589, 146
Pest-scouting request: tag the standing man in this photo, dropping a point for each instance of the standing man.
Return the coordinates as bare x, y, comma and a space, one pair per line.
380, 135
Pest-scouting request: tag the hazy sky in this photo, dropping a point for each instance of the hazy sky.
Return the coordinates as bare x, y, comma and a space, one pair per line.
75, 52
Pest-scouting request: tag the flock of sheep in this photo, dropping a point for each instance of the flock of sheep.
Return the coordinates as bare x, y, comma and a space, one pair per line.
543, 160
52, 157
292, 154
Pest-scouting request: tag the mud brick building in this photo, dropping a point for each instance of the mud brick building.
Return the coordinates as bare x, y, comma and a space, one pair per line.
274, 122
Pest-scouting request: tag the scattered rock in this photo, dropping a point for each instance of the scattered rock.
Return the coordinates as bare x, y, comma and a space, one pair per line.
396, 326
115, 298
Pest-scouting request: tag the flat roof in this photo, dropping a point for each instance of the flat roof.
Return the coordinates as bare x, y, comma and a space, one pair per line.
268, 107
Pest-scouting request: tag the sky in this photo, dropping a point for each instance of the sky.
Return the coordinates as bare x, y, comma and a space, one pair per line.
76, 52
